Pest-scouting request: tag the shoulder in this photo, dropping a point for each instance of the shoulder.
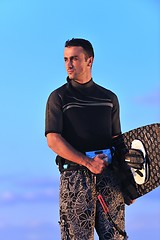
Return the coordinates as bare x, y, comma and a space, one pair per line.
110, 94
58, 93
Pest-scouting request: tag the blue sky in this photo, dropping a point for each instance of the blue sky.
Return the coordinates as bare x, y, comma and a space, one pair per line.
125, 35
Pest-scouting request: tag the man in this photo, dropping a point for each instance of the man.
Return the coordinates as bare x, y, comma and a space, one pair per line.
82, 117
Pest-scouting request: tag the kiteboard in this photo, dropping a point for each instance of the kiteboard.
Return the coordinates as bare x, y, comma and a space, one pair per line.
145, 141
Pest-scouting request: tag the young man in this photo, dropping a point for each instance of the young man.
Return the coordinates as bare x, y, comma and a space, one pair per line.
82, 117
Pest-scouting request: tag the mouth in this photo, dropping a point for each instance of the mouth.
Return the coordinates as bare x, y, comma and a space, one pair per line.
70, 71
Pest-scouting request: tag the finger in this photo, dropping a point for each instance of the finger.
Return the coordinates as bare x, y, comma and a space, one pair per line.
101, 156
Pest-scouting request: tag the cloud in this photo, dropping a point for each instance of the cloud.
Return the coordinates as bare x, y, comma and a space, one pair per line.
33, 230
29, 208
29, 190
14, 197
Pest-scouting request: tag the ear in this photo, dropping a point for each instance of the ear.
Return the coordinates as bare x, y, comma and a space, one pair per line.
90, 61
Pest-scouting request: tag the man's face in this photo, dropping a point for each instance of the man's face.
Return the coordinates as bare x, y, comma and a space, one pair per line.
78, 66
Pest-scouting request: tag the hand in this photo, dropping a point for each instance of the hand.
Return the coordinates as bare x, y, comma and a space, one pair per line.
97, 164
132, 201
128, 200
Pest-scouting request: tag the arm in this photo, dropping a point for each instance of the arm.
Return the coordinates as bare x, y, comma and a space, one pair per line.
123, 169
61, 147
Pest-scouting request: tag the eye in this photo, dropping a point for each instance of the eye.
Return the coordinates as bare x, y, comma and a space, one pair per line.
75, 58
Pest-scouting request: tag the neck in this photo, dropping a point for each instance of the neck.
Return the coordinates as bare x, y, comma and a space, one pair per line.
83, 79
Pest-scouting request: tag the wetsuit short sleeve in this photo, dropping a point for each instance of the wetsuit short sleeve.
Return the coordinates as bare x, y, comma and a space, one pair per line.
86, 115
54, 115
116, 127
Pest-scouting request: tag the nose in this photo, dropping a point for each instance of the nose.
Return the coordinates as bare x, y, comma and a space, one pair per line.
69, 64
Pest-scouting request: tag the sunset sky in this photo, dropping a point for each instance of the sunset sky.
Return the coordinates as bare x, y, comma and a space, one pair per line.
126, 36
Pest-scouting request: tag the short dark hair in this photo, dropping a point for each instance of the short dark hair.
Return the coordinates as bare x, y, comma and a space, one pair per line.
80, 42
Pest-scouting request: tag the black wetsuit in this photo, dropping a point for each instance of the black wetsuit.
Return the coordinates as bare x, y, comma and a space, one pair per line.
87, 116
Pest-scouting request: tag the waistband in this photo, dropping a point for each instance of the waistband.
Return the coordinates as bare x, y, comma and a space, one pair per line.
65, 165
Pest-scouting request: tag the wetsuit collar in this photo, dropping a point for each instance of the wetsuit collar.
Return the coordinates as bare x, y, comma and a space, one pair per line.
79, 85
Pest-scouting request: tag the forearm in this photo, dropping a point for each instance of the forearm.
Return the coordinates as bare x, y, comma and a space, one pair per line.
62, 148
